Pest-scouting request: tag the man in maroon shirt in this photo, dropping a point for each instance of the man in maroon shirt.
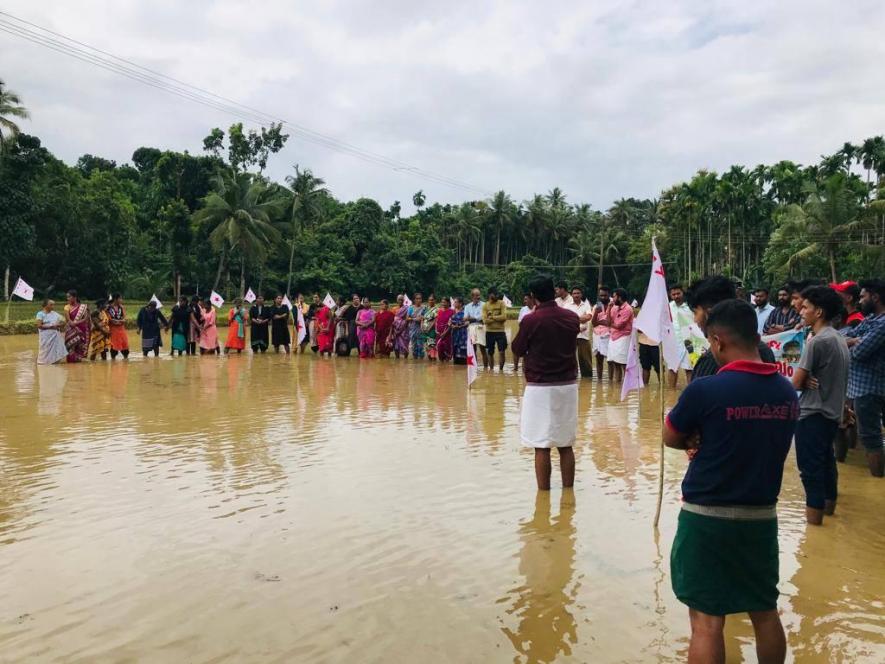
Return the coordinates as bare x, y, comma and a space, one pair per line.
548, 340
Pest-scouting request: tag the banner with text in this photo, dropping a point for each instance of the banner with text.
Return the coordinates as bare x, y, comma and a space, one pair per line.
787, 348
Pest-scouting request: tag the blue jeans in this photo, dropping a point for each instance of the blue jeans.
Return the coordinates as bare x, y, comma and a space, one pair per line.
869, 410
816, 459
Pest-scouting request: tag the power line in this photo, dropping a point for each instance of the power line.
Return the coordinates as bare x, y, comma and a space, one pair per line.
71, 47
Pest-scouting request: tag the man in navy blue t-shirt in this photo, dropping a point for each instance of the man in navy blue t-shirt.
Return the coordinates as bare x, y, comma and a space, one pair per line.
738, 424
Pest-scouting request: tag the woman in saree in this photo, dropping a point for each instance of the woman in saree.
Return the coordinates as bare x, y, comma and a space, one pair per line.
458, 326
181, 324
117, 321
324, 330
416, 317
443, 332
196, 325
49, 330
236, 331
383, 326
365, 329
77, 332
428, 327
100, 339
399, 331
208, 330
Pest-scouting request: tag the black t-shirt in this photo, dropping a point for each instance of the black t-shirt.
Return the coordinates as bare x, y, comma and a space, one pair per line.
707, 365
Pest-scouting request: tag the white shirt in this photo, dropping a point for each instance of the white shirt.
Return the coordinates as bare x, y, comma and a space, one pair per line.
682, 319
565, 301
762, 315
583, 309
473, 310
525, 311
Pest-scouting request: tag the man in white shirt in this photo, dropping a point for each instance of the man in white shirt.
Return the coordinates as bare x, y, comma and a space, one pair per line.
527, 307
563, 298
476, 330
585, 314
763, 307
682, 317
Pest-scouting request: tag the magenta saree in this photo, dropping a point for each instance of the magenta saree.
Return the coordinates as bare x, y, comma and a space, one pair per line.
77, 334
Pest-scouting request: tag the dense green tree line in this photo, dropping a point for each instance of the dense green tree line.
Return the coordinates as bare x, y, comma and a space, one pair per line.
173, 222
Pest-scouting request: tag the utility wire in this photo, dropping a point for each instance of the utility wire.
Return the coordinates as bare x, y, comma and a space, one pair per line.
65, 45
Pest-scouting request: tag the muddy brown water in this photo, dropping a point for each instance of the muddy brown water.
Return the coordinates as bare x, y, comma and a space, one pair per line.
283, 509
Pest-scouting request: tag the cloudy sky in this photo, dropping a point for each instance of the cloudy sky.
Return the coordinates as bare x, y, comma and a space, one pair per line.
603, 98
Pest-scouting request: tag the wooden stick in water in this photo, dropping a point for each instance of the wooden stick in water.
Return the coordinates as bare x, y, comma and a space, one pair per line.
661, 376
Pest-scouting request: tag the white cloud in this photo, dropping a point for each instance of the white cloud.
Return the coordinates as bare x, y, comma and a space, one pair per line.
605, 99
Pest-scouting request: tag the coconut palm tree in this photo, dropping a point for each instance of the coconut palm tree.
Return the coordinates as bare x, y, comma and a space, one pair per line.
10, 107
239, 211
306, 208
418, 199
827, 218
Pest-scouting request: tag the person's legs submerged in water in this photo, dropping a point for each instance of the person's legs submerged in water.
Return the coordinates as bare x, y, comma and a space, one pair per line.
544, 467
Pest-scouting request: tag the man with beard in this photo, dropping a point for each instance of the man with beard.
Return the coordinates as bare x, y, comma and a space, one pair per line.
601, 332
763, 308
784, 317
682, 317
866, 375
620, 322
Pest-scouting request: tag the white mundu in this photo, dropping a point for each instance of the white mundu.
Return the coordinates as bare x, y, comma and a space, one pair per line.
549, 415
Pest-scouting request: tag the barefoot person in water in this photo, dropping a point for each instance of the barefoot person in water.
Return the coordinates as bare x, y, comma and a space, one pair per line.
739, 424
548, 340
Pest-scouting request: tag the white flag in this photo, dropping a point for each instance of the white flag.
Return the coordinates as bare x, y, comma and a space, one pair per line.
22, 290
654, 318
507, 302
299, 323
216, 300
471, 362
329, 301
406, 301
287, 302
249, 296
632, 372
156, 301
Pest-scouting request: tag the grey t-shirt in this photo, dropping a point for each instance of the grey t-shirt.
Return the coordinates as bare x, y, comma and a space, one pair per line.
826, 358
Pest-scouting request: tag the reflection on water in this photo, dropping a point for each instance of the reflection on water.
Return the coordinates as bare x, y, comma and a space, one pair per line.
543, 602
280, 508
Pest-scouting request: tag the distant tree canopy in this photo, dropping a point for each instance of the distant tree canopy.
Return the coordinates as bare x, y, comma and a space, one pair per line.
174, 221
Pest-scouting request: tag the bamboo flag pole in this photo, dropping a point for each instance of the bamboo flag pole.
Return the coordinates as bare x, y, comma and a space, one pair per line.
661, 376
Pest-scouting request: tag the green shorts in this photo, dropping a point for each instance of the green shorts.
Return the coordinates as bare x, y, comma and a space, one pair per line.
721, 566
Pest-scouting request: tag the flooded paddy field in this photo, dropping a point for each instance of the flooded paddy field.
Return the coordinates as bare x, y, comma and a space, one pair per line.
282, 509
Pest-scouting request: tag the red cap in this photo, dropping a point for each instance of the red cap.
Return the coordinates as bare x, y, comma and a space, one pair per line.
844, 286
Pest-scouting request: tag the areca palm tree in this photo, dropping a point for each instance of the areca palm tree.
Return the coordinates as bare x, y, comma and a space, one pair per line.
10, 107
827, 219
501, 212
306, 208
467, 229
239, 211
418, 199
